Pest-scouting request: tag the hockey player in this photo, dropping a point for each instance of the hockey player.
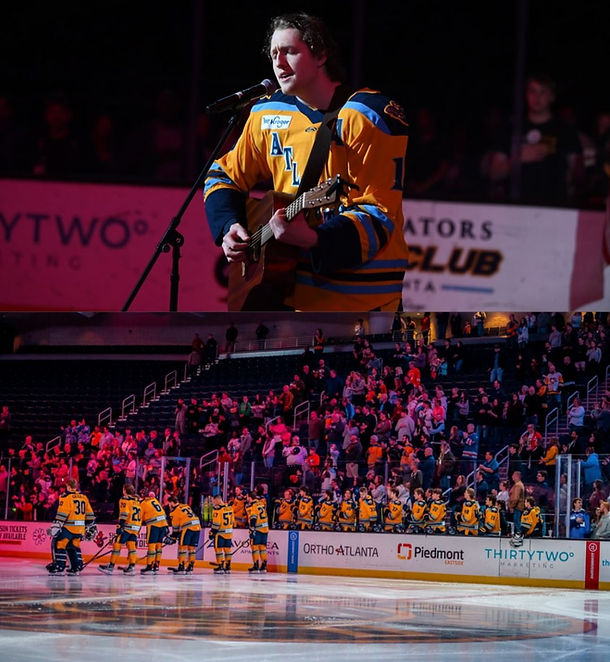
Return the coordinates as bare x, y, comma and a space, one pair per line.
285, 510
531, 519
74, 519
393, 513
469, 516
437, 511
419, 510
238, 504
186, 529
155, 521
325, 512
130, 521
348, 512
367, 510
221, 533
259, 530
304, 510
491, 517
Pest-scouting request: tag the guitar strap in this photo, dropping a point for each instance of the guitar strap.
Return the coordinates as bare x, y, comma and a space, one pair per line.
321, 146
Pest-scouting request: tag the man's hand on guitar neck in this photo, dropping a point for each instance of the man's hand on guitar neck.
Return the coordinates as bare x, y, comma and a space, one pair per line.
296, 232
235, 243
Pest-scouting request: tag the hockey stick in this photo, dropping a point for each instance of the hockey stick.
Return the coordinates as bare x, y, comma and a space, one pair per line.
100, 552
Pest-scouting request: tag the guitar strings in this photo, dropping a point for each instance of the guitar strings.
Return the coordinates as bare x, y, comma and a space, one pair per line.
264, 233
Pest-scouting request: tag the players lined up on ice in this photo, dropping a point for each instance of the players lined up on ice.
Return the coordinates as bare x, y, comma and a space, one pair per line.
426, 512
75, 519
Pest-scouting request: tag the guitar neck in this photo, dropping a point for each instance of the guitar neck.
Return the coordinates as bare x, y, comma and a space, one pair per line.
292, 210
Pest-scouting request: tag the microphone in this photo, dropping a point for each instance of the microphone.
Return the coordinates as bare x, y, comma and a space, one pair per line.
241, 98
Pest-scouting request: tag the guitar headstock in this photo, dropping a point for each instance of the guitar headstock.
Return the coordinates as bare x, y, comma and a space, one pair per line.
325, 193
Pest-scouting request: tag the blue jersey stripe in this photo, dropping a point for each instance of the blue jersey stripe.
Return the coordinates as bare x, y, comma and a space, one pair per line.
370, 114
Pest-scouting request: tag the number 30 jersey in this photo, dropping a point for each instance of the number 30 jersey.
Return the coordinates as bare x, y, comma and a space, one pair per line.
74, 513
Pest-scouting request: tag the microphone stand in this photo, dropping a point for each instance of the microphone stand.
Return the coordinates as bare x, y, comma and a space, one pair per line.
172, 239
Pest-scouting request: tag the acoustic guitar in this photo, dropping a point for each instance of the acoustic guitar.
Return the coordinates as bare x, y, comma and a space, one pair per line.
266, 278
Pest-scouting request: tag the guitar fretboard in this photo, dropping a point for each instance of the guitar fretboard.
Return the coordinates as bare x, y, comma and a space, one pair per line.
265, 233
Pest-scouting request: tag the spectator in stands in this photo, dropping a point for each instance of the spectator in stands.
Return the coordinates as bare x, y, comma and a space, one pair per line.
230, 339
576, 416
550, 155
428, 162
602, 526
496, 371
262, 331
490, 469
580, 521
516, 500
591, 468
319, 341
58, 149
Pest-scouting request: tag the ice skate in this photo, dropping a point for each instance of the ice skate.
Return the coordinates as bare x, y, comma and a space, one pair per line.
179, 570
254, 568
148, 569
107, 569
263, 568
54, 569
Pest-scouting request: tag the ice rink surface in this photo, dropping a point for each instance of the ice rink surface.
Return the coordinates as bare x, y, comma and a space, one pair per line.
289, 617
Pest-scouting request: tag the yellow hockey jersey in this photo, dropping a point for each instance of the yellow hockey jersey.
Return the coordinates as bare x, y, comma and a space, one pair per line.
222, 521
285, 511
367, 511
347, 511
469, 516
74, 513
305, 509
491, 521
418, 510
326, 512
368, 149
437, 509
257, 516
182, 517
530, 520
393, 513
239, 511
130, 514
153, 513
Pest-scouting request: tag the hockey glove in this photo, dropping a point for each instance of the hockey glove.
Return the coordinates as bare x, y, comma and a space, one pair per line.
90, 532
54, 530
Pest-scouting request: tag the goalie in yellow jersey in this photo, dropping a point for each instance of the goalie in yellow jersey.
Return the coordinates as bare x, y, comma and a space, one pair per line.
221, 533
74, 519
469, 516
259, 529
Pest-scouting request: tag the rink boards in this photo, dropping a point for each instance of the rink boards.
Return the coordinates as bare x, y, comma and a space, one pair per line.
539, 562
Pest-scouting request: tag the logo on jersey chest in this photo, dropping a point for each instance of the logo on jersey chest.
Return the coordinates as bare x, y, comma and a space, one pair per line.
275, 122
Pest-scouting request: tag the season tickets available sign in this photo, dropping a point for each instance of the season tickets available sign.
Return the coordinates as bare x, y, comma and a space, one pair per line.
66, 246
